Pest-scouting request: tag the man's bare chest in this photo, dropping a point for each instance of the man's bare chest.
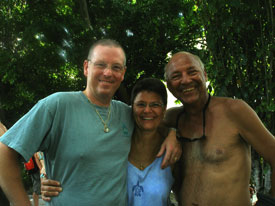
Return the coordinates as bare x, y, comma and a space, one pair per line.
214, 146
206, 152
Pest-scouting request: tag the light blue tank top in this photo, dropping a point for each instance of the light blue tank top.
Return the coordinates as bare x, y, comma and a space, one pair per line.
151, 186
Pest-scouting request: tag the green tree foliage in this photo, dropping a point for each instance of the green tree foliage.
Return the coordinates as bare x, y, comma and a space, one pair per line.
148, 30
240, 39
44, 44
33, 53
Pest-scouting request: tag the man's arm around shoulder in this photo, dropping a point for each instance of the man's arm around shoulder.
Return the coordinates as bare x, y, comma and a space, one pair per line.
10, 177
171, 115
171, 145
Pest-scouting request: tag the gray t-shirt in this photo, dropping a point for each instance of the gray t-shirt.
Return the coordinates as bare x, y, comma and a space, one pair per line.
90, 164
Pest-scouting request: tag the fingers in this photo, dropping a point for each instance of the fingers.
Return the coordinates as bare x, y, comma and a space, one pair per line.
161, 151
172, 155
46, 195
47, 199
173, 149
166, 159
50, 188
48, 182
47, 192
177, 151
174, 159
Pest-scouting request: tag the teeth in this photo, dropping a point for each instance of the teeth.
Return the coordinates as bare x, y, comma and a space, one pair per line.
147, 118
105, 81
188, 90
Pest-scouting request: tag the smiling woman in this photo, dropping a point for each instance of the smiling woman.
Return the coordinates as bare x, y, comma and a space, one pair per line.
148, 184
148, 110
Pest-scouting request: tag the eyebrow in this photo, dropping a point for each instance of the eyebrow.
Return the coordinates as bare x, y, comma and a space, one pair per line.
191, 67
142, 101
103, 61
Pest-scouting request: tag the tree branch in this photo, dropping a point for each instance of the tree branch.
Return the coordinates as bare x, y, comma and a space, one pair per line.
85, 13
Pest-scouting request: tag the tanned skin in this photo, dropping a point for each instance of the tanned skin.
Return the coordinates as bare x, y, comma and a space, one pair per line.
214, 170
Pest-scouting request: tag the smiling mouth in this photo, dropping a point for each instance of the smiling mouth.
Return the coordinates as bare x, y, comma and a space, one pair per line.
147, 118
188, 89
105, 81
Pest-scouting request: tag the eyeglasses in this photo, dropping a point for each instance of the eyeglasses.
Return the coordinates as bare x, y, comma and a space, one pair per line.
152, 105
102, 65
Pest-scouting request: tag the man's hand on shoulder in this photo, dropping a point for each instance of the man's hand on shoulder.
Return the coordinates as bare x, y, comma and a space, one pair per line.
173, 149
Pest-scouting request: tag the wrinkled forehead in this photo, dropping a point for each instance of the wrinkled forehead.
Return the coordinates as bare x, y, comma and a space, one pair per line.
183, 60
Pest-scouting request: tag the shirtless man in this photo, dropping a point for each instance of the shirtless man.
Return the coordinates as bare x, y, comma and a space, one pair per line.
216, 133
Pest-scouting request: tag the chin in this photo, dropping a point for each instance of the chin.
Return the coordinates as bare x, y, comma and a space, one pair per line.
107, 92
147, 129
189, 99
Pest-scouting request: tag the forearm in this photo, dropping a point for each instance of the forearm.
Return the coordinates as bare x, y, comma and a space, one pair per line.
38, 163
3, 129
163, 130
10, 177
170, 119
43, 170
173, 149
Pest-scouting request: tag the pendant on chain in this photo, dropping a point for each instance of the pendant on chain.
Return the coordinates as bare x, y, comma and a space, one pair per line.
106, 129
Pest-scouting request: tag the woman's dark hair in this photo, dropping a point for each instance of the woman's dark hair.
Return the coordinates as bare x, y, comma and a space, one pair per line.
150, 85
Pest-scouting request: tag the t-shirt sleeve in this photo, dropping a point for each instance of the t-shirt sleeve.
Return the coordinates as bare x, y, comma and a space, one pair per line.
28, 133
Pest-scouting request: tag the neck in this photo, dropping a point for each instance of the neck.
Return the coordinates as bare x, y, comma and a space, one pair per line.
144, 147
104, 102
146, 141
196, 108
144, 136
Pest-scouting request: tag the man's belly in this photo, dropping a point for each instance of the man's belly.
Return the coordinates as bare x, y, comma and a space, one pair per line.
204, 187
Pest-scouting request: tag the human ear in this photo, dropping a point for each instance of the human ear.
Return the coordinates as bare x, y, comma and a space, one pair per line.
205, 76
85, 68
124, 70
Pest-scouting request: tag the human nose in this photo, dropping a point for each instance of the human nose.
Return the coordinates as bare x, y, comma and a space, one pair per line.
147, 108
184, 79
108, 70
